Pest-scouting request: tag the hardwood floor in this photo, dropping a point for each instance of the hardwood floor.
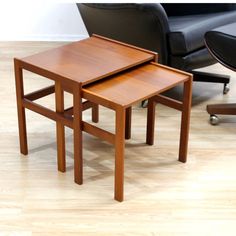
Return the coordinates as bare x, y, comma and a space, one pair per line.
162, 195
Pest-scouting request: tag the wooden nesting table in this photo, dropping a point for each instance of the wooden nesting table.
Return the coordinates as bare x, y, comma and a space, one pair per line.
104, 72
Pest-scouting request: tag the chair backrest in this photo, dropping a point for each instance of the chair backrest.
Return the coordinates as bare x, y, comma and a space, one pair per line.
181, 9
222, 47
142, 25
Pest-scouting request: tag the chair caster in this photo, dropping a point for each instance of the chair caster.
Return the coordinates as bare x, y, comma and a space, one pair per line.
214, 120
226, 88
144, 104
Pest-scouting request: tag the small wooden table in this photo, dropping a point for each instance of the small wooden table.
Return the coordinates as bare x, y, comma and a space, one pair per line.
71, 67
99, 70
121, 91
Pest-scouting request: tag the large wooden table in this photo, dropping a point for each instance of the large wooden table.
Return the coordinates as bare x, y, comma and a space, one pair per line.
105, 72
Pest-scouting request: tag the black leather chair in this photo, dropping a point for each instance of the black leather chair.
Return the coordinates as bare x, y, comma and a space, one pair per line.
221, 42
175, 31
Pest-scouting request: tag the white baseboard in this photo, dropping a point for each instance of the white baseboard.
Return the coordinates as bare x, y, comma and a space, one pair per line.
45, 37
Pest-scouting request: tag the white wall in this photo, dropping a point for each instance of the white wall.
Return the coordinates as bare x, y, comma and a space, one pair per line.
41, 21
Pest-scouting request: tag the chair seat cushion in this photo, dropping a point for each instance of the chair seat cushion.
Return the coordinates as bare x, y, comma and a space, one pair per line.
187, 32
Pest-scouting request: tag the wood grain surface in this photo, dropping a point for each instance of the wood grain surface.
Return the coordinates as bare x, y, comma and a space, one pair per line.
89, 59
135, 85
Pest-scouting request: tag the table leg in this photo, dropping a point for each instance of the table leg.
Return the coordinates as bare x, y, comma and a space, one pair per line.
150, 121
20, 107
128, 123
95, 113
185, 120
77, 121
119, 153
60, 129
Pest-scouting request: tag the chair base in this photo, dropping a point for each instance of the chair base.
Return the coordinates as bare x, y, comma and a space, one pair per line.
212, 78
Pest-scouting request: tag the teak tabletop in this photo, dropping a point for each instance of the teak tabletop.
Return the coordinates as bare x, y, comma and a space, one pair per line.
135, 85
89, 60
